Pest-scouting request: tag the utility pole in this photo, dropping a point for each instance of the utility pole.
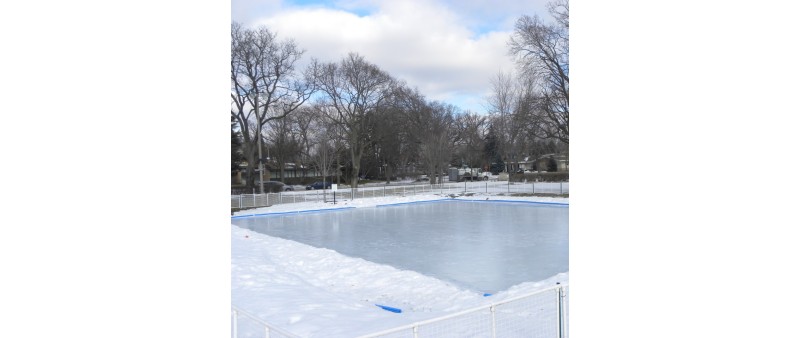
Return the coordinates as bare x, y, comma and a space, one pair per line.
260, 159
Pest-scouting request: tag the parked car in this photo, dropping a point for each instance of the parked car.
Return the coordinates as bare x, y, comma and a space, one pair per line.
318, 185
276, 186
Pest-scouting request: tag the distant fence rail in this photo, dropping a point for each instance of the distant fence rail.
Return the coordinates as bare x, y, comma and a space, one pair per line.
245, 201
541, 314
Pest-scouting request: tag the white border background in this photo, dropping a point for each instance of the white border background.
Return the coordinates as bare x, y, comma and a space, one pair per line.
683, 143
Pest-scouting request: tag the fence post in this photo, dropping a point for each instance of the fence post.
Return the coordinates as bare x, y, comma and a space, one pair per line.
562, 187
384, 191
560, 311
235, 324
534, 187
494, 323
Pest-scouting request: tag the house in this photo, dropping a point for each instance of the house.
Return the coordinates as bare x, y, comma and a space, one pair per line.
552, 162
544, 163
527, 164
292, 170
271, 170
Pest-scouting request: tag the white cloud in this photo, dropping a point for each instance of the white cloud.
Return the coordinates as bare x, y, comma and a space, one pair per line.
495, 14
424, 43
247, 11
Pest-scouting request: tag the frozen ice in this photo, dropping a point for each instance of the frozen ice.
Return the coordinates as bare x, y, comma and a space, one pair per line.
483, 246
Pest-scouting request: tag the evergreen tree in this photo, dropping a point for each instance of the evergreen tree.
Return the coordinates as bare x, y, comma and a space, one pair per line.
236, 148
493, 153
552, 166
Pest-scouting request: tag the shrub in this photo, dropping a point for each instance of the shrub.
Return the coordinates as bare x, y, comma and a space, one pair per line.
541, 177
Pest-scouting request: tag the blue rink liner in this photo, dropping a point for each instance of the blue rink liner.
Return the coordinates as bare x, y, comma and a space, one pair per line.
284, 213
389, 308
483, 201
414, 202
401, 203
522, 202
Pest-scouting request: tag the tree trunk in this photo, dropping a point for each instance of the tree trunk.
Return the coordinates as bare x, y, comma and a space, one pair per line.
338, 169
356, 157
250, 177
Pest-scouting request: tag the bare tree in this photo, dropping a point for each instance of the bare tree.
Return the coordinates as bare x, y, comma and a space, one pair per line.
438, 143
285, 146
355, 90
559, 9
324, 149
432, 126
265, 85
501, 106
393, 137
391, 141
528, 119
305, 124
542, 51
471, 129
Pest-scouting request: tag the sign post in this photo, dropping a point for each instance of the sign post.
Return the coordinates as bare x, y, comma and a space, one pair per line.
334, 187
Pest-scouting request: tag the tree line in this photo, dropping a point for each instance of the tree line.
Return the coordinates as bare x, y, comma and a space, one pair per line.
352, 114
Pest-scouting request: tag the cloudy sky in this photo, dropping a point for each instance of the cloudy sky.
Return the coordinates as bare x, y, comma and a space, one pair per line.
448, 49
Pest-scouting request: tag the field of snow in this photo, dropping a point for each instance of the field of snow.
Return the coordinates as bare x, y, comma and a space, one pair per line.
318, 292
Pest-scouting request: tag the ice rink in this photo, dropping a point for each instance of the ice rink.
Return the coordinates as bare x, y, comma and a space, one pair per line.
482, 246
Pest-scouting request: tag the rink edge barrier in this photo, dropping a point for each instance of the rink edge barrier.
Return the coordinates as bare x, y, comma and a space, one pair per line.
283, 213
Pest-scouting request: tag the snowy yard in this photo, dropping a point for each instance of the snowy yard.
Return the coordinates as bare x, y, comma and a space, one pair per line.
318, 292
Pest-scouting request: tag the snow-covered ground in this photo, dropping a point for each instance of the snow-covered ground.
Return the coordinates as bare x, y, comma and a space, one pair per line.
318, 292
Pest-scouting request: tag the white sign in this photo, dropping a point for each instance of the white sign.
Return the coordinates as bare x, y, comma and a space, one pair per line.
334, 187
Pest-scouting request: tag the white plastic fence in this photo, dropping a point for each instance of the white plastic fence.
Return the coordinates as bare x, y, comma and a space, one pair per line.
502, 187
541, 314
492, 187
244, 324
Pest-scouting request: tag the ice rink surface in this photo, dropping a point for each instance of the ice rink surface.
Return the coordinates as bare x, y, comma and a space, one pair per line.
483, 246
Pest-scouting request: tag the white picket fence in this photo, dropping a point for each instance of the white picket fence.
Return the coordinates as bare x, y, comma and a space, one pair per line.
541, 314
